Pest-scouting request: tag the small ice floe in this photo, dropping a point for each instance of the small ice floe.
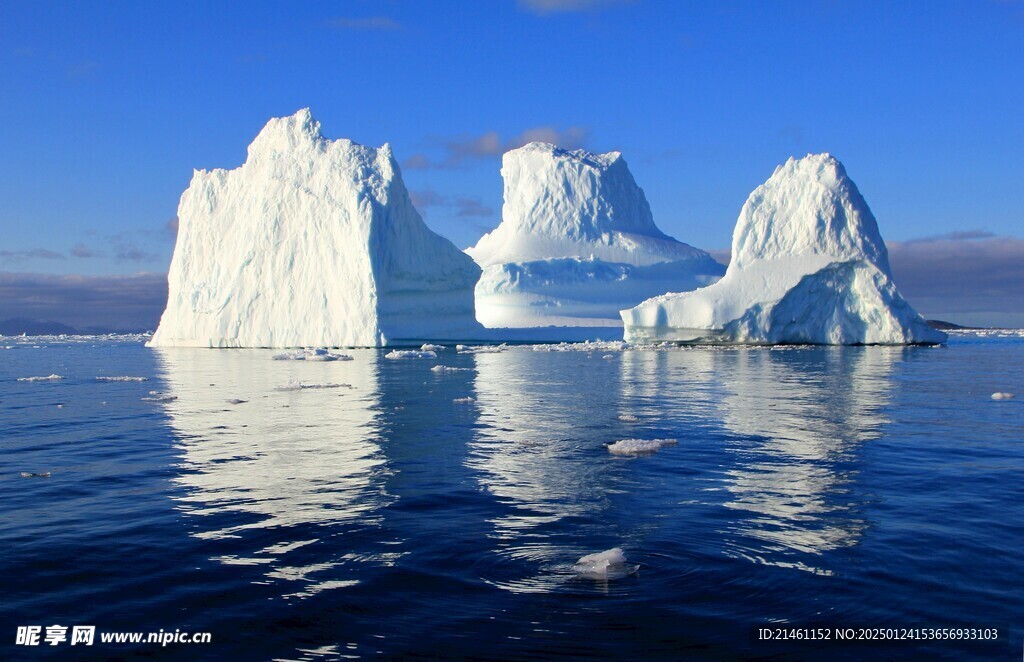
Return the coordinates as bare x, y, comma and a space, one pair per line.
157, 396
639, 446
480, 349
610, 564
1002, 396
629, 418
122, 378
410, 354
31, 474
324, 355
296, 385
235, 401
47, 378
608, 356
464, 401
320, 354
427, 347
448, 368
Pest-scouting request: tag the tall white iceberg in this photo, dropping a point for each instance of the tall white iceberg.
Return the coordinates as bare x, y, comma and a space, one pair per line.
311, 242
808, 266
577, 243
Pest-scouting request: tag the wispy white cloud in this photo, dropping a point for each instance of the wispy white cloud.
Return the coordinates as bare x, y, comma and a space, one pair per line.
462, 207
458, 151
364, 23
546, 7
80, 250
31, 254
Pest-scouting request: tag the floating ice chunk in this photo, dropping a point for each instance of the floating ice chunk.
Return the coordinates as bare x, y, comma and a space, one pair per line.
157, 396
122, 378
610, 564
410, 354
464, 401
1002, 396
296, 385
480, 349
629, 418
311, 355
608, 356
31, 474
427, 347
639, 446
47, 378
324, 355
449, 368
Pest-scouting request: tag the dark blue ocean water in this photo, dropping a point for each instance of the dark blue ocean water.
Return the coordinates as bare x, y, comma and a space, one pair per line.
835, 487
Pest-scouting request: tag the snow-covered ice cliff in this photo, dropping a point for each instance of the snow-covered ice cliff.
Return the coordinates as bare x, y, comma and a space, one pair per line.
311, 242
577, 243
808, 266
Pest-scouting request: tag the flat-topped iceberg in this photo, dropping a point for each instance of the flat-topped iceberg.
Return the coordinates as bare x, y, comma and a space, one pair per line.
808, 266
311, 242
577, 243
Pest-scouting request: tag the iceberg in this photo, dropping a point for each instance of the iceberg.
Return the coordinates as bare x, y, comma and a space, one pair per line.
311, 242
808, 266
577, 243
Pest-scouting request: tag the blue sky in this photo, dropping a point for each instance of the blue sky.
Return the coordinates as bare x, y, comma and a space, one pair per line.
107, 108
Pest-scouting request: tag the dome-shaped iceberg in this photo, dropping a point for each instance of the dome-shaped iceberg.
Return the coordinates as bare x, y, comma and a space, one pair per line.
808, 266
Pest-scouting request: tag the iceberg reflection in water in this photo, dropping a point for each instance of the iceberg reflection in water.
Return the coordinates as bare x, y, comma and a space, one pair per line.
266, 464
802, 415
264, 455
534, 454
411, 512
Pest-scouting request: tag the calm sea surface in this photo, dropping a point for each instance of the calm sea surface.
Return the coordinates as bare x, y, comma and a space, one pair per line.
385, 514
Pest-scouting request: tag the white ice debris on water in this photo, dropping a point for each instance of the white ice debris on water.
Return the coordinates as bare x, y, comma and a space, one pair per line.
480, 349
808, 266
464, 401
628, 418
32, 474
47, 378
449, 368
296, 385
585, 346
311, 355
427, 347
311, 242
639, 446
610, 564
122, 378
410, 354
157, 396
577, 243
1002, 396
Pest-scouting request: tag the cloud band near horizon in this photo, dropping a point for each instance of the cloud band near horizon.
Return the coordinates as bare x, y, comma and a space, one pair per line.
970, 278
